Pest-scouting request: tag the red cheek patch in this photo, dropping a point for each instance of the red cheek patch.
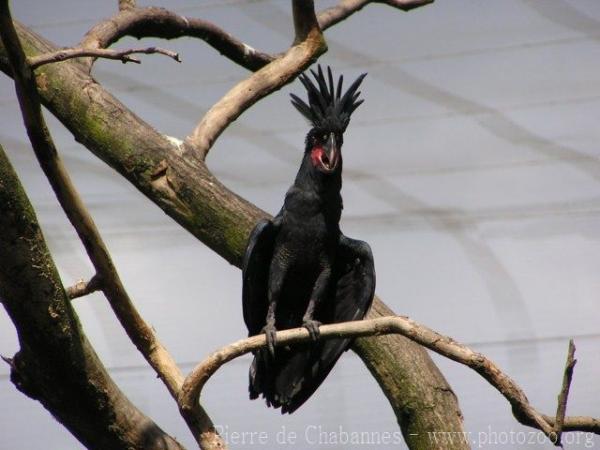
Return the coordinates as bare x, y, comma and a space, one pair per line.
316, 156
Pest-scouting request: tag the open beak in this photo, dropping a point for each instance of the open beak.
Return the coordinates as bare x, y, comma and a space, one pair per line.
331, 157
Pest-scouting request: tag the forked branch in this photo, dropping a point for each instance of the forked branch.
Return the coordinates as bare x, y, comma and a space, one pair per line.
273, 72
308, 45
162, 23
523, 411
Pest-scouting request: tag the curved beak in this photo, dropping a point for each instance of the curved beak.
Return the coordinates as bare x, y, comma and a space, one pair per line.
332, 153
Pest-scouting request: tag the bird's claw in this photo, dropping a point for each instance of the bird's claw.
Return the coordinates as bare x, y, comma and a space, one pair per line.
270, 333
313, 328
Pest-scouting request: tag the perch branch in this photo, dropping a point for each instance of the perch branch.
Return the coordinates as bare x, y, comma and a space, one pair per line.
82, 288
138, 331
443, 345
122, 55
309, 44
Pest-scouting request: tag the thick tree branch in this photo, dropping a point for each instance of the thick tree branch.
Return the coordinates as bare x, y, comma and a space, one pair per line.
186, 190
138, 331
56, 364
122, 55
410, 381
309, 44
75, 210
443, 345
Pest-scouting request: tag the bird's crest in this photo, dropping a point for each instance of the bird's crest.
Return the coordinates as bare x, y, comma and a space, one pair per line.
327, 108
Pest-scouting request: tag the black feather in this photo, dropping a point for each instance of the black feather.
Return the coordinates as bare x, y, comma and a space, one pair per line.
327, 108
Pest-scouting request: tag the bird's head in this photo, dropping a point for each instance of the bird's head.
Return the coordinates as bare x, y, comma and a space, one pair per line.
328, 111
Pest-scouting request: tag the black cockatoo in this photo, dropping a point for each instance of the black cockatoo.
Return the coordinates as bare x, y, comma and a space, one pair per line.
299, 269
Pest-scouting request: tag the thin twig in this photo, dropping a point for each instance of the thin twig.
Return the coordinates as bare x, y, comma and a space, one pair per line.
122, 55
563, 395
137, 329
82, 288
445, 346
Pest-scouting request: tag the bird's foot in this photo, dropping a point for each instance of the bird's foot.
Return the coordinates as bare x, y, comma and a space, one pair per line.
270, 332
313, 328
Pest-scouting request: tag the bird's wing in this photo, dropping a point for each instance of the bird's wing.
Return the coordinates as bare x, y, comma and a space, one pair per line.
255, 275
354, 278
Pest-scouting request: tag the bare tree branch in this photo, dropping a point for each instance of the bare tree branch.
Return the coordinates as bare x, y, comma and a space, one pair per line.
56, 365
75, 210
161, 23
138, 331
443, 345
561, 409
576, 423
344, 9
122, 55
82, 288
309, 44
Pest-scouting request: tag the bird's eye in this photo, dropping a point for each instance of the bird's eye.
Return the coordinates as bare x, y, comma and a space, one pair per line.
324, 136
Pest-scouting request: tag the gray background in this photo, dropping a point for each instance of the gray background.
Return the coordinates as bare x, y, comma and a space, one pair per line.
473, 169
